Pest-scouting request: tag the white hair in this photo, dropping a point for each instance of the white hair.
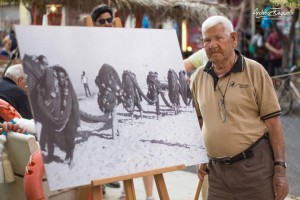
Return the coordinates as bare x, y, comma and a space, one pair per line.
215, 20
14, 72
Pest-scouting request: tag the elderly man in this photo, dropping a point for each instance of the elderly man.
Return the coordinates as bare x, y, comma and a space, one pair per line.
239, 115
13, 90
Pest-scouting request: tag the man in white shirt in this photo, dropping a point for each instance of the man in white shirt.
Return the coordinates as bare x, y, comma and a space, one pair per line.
85, 81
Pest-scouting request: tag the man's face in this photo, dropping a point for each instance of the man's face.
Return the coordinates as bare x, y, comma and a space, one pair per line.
217, 44
104, 20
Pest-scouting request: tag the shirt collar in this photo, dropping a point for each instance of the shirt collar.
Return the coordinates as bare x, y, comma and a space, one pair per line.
8, 79
237, 67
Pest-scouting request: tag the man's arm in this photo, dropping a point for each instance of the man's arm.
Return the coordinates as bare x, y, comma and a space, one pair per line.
273, 49
280, 183
188, 65
202, 168
200, 122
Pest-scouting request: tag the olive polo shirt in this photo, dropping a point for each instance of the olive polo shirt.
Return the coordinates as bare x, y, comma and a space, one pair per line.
250, 99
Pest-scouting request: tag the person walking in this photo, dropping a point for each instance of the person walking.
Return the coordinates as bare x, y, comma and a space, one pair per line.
85, 81
238, 112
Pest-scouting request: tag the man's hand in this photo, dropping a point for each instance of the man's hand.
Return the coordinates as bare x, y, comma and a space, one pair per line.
202, 170
279, 52
280, 183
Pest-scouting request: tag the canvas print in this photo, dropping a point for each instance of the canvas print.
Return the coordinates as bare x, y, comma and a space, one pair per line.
108, 102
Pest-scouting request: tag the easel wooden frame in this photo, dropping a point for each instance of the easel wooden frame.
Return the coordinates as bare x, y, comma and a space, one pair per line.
129, 186
199, 187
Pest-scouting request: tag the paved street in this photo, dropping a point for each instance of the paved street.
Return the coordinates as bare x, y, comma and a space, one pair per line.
291, 126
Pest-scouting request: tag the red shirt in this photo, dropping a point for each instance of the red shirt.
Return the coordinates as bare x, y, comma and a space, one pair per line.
273, 40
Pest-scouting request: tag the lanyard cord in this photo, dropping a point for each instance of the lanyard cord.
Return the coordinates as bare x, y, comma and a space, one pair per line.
223, 95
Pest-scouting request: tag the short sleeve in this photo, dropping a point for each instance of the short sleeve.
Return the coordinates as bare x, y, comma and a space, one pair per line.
198, 59
266, 97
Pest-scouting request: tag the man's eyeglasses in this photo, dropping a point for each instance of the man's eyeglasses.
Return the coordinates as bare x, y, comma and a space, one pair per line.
102, 21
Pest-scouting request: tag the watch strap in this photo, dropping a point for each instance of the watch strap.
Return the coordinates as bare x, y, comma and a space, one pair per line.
281, 163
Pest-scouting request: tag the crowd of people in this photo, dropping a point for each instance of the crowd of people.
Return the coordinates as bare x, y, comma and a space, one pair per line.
265, 47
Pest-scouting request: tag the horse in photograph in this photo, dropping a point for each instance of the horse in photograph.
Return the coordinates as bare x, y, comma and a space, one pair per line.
174, 90
56, 107
131, 93
185, 91
110, 95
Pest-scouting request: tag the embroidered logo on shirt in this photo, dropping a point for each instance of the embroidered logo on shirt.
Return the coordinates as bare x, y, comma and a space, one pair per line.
233, 84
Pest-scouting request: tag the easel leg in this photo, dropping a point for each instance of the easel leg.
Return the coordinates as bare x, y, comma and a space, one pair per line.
83, 193
198, 190
97, 193
161, 187
204, 188
129, 189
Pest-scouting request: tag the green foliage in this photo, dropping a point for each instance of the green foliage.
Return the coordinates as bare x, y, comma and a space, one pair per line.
40, 4
10, 2
296, 2
289, 3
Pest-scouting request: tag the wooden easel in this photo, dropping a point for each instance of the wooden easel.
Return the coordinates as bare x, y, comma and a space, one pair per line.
197, 195
129, 186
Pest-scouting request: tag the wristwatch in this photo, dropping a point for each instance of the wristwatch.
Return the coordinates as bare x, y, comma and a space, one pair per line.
281, 163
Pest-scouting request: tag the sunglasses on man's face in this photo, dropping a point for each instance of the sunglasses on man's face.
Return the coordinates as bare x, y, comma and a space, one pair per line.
102, 21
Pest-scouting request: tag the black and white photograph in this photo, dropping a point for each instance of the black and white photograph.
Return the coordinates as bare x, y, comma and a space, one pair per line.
108, 102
